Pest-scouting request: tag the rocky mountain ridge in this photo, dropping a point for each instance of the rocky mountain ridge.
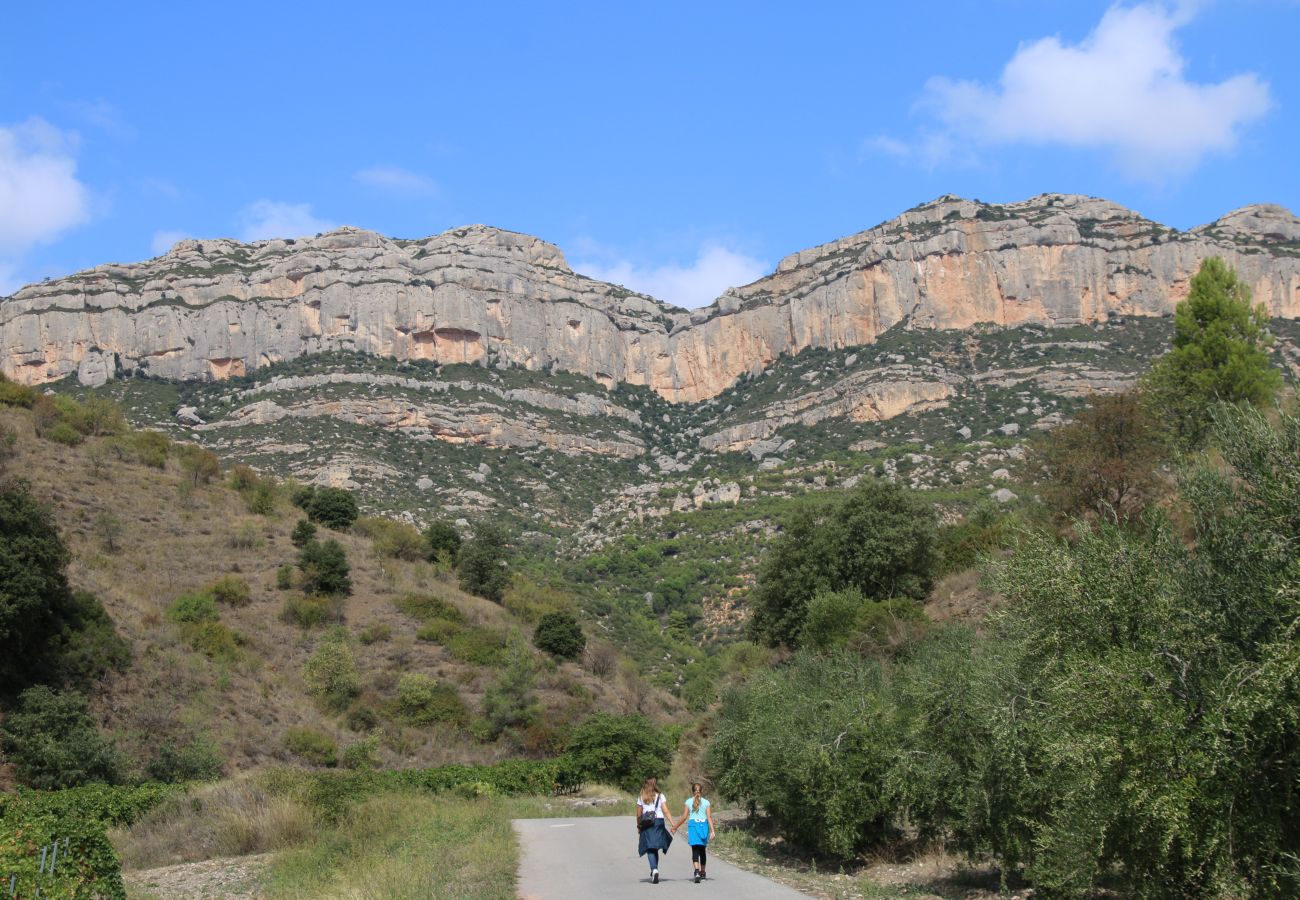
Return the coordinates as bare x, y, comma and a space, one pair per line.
211, 310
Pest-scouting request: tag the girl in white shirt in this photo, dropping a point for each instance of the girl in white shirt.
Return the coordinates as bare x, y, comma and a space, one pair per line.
653, 836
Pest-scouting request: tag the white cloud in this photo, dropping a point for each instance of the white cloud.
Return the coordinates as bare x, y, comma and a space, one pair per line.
391, 178
164, 240
715, 269
269, 219
40, 195
1123, 90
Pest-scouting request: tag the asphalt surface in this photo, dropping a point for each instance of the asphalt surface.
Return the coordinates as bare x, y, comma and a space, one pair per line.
595, 859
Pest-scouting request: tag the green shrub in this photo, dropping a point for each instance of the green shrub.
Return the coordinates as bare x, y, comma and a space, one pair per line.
438, 631
620, 750
192, 608
311, 611
392, 539
325, 569
91, 870
375, 633
196, 759
332, 507
149, 448
14, 394
831, 618
284, 578
53, 743
482, 563
64, 433
331, 672
362, 754
479, 646
560, 635
316, 747
231, 590
423, 701
427, 608
509, 702
442, 542
303, 533
242, 478
260, 501
215, 640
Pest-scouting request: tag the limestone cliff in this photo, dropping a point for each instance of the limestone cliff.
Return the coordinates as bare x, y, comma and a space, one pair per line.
217, 308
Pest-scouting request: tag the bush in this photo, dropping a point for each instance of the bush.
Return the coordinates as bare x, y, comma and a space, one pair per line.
509, 702
260, 501
422, 701
362, 754
14, 394
231, 590
482, 562
479, 646
311, 611
331, 672
560, 635
149, 448
438, 631
198, 465
428, 608
284, 578
192, 608
375, 632
831, 618
214, 640
303, 533
620, 750
442, 542
332, 507
392, 539
325, 569
316, 747
195, 760
64, 433
242, 478
53, 743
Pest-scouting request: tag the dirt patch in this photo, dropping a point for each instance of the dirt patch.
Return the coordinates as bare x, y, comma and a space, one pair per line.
233, 878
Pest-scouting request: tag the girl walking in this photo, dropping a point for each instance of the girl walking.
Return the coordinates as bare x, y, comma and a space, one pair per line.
651, 809
699, 830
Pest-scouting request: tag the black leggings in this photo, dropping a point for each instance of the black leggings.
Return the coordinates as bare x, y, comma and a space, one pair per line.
699, 855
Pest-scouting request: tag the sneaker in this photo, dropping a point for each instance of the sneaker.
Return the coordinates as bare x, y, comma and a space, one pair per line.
698, 876
654, 877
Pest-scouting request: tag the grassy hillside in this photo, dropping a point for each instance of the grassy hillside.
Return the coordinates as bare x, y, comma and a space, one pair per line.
140, 537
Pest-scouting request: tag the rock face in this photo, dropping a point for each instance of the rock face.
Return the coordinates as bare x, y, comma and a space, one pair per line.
215, 309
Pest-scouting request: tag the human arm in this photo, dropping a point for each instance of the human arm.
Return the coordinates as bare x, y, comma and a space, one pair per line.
709, 812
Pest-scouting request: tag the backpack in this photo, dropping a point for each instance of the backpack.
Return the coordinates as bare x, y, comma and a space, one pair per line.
647, 820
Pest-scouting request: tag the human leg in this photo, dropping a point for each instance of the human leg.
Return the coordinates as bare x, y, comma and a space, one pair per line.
652, 856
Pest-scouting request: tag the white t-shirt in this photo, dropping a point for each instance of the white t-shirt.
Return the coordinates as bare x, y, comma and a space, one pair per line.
657, 804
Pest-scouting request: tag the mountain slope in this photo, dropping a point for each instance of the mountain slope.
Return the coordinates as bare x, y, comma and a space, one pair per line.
216, 309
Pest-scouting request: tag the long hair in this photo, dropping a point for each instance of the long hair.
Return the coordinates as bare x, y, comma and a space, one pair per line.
649, 789
696, 786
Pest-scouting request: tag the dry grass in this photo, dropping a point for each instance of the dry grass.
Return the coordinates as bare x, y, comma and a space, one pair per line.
175, 540
232, 818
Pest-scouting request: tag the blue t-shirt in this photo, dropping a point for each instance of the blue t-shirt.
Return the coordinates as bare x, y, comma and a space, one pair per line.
697, 824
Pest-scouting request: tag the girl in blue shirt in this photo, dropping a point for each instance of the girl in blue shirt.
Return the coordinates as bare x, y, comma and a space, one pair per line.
699, 831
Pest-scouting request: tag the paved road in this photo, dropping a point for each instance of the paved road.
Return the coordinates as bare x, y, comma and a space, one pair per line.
595, 859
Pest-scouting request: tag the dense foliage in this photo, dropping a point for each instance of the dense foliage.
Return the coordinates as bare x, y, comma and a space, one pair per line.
332, 507
50, 633
620, 750
879, 540
52, 741
482, 562
325, 569
1133, 712
559, 634
443, 541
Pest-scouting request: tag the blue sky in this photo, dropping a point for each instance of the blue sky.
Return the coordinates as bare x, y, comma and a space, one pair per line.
675, 147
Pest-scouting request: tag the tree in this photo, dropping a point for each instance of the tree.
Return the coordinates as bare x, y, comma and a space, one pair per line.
483, 569
200, 466
41, 618
879, 540
53, 742
620, 750
1220, 354
332, 507
442, 539
509, 702
560, 635
325, 569
331, 672
1104, 463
